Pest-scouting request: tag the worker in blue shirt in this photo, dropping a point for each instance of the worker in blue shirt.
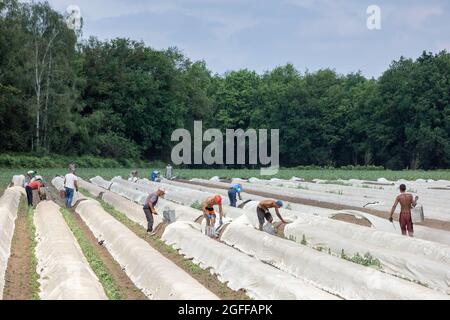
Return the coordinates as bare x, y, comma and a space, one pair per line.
234, 190
154, 176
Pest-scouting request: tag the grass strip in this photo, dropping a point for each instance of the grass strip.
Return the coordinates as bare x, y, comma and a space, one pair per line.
94, 261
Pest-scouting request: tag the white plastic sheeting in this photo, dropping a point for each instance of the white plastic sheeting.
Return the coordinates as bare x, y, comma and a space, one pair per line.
335, 275
132, 210
100, 182
155, 275
182, 213
58, 183
420, 232
9, 205
394, 259
380, 197
240, 271
352, 232
64, 271
92, 188
18, 180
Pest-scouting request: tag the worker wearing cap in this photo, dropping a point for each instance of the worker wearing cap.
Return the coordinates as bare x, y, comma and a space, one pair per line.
234, 190
154, 176
149, 207
210, 214
35, 184
263, 212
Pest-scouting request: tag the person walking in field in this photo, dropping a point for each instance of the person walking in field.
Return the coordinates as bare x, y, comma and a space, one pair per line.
235, 190
210, 214
70, 185
169, 172
149, 207
407, 202
262, 210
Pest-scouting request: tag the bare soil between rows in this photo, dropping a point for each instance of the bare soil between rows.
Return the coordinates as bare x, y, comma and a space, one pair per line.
432, 223
127, 289
17, 277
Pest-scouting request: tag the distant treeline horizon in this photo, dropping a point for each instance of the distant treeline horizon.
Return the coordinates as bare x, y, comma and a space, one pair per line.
121, 99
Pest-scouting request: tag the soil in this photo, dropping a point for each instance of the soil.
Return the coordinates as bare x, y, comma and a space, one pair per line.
17, 277
432, 223
352, 219
126, 288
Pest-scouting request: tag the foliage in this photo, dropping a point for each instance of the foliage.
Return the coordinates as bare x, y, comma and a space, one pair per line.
122, 99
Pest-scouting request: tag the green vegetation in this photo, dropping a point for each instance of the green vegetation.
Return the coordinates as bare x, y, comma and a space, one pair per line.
197, 205
93, 259
34, 277
122, 99
367, 260
325, 174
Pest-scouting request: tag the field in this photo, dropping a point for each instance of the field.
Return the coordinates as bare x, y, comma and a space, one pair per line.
331, 246
325, 174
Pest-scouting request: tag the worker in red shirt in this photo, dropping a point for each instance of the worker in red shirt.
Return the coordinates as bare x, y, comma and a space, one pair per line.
35, 184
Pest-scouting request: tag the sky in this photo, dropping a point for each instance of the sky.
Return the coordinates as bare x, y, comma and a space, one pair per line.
262, 34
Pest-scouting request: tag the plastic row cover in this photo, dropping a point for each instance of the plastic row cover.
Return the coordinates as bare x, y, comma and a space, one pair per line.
18, 180
181, 213
240, 271
397, 262
100, 182
92, 188
58, 183
421, 232
154, 274
9, 205
64, 271
335, 275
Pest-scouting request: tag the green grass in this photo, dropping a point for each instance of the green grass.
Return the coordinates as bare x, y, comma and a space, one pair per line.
197, 205
325, 174
34, 277
94, 261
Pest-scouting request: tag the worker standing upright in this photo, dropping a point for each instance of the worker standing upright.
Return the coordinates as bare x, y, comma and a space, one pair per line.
70, 185
169, 172
233, 191
407, 202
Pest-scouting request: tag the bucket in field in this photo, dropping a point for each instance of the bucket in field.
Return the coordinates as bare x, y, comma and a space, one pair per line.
169, 216
268, 227
417, 215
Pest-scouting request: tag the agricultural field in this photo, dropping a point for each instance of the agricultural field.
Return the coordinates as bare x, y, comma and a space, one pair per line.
333, 246
307, 174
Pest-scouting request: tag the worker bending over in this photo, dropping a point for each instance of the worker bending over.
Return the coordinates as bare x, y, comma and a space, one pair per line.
235, 190
149, 207
407, 202
210, 214
263, 212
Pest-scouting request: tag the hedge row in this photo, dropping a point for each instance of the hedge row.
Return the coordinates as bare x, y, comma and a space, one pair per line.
59, 161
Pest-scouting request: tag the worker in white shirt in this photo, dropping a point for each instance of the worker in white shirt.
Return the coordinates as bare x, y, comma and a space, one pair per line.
70, 185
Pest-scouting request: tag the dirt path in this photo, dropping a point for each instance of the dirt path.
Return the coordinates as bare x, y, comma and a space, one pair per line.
126, 288
432, 223
18, 272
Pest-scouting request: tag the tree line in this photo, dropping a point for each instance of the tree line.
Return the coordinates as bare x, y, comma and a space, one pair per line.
122, 99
